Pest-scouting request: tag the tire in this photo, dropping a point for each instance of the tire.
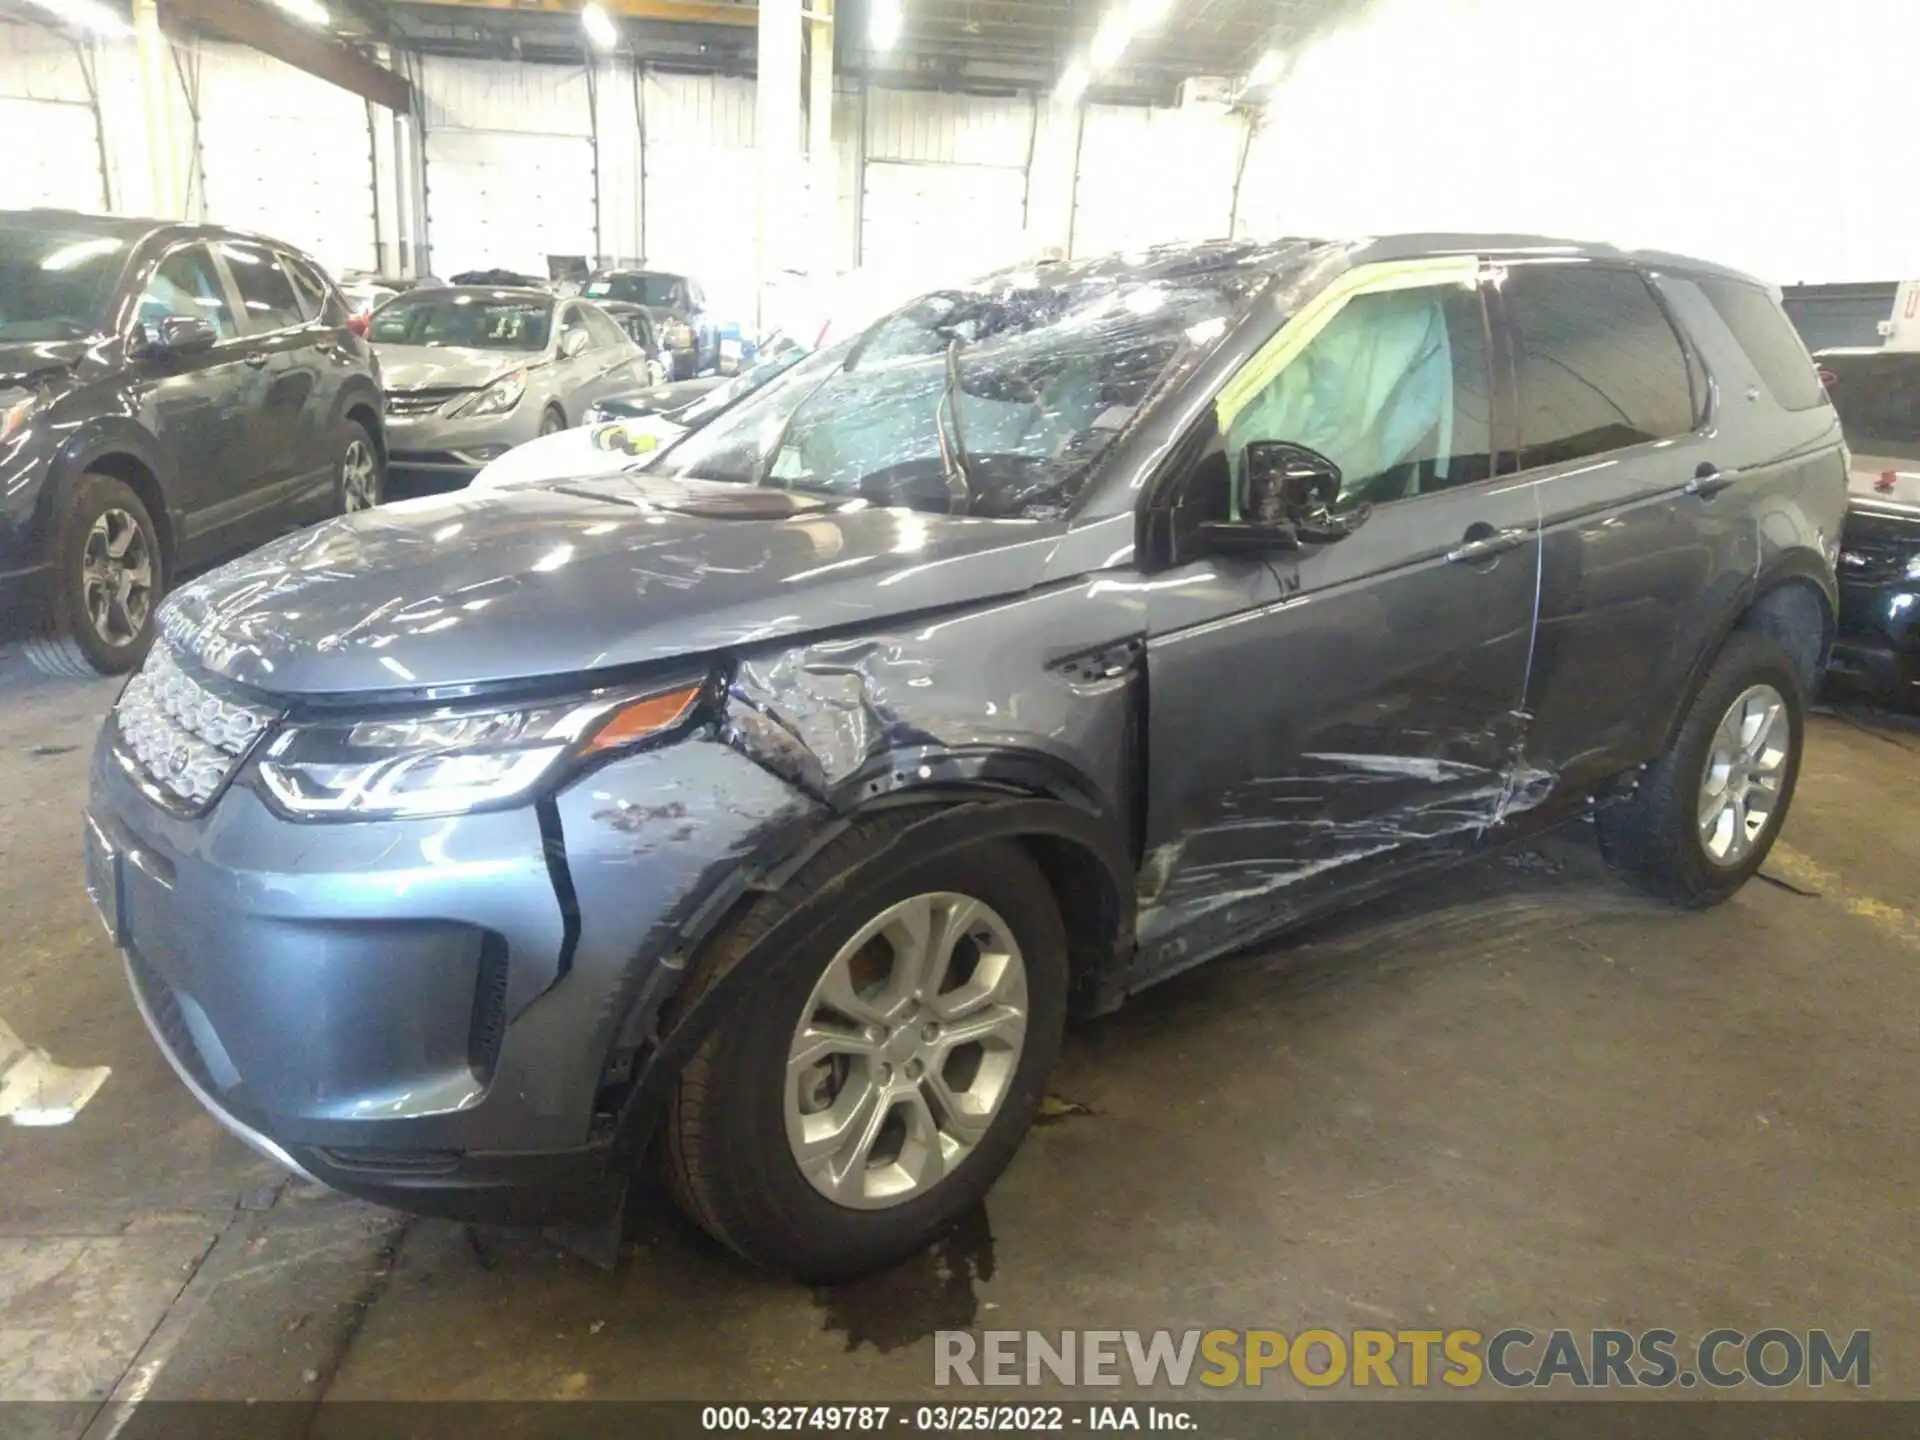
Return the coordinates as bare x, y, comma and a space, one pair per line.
1654, 838
730, 1162
553, 422
359, 473
102, 516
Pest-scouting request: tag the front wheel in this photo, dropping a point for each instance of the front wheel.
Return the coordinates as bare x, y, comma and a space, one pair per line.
886, 1073
108, 578
1706, 813
552, 423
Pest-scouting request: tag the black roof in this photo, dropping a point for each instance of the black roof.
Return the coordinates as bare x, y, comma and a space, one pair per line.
130, 227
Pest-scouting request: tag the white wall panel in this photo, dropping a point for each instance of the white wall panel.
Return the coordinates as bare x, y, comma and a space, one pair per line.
1716, 138
286, 154
44, 107
1146, 177
509, 165
945, 185
702, 183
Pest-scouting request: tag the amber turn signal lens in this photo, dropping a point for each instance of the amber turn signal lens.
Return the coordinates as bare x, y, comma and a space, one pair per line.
645, 717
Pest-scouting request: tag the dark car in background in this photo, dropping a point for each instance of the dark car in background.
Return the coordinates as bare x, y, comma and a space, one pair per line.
640, 324
677, 399
170, 394
688, 331
765, 811
1877, 393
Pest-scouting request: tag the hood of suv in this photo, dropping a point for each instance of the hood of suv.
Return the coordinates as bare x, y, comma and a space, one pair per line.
470, 589
21, 362
434, 367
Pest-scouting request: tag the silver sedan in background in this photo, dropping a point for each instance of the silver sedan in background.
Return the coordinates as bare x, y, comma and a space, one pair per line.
471, 371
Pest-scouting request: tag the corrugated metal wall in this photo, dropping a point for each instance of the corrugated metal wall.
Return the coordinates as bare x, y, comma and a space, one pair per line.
1191, 156
509, 165
702, 182
285, 154
527, 161
44, 107
945, 182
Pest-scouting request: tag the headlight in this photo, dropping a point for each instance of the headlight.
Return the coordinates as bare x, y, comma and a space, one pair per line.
497, 398
446, 762
16, 408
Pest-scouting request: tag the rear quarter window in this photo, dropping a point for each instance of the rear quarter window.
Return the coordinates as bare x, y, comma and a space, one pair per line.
1770, 341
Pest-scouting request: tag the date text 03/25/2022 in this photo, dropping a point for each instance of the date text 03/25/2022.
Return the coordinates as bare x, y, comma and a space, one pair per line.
946, 1419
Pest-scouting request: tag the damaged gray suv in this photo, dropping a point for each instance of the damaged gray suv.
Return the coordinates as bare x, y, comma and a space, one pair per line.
762, 814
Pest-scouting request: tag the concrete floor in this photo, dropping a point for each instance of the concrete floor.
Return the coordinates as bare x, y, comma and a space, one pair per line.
1518, 1096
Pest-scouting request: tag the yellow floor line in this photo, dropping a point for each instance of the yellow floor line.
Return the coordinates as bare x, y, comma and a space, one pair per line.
1890, 920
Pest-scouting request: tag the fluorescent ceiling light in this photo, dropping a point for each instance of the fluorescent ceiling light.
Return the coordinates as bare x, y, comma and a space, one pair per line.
599, 26
88, 15
1110, 40
1145, 14
311, 11
883, 24
1073, 83
1266, 69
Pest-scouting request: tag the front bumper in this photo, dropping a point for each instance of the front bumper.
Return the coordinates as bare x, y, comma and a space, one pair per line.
456, 448
1877, 647
424, 1013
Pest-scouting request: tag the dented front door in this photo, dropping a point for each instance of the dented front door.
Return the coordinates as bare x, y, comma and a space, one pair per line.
1369, 722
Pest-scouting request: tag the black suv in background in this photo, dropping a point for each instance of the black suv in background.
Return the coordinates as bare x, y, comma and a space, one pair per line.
170, 394
687, 330
1877, 393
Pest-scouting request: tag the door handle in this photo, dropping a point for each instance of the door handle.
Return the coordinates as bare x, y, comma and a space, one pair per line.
256, 361
1483, 542
1709, 480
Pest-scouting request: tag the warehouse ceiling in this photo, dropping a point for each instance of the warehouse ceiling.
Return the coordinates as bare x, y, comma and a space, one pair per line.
970, 44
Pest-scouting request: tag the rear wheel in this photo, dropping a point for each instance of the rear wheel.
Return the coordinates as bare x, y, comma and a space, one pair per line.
887, 1071
1708, 811
361, 481
108, 579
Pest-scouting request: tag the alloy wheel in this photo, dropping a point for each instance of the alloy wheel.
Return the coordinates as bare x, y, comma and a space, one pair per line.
1746, 768
359, 477
906, 1050
116, 577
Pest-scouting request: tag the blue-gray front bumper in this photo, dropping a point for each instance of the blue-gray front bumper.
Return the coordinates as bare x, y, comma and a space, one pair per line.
429, 1013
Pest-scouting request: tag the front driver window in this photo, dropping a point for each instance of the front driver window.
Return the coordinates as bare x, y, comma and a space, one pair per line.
1393, 390
186, 287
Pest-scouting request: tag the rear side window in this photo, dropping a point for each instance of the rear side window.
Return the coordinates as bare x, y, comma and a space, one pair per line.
1769, 340
316, 294
1599, 365
265, 290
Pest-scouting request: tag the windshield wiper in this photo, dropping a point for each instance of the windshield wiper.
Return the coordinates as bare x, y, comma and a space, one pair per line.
953, 456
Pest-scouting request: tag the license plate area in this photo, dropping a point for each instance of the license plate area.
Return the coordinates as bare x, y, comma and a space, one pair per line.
103, 878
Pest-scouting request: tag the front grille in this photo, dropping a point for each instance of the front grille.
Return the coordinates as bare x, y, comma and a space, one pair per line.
179, 737
422, 402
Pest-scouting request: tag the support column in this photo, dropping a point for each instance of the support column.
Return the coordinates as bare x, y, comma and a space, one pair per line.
823, 164
1052, 175
781, 178
156, 101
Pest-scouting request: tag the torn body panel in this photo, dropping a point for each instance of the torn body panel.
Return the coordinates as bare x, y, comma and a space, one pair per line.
1374, 724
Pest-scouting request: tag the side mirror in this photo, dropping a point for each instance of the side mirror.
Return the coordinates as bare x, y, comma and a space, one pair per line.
177, 335
1286, 499
572, 342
